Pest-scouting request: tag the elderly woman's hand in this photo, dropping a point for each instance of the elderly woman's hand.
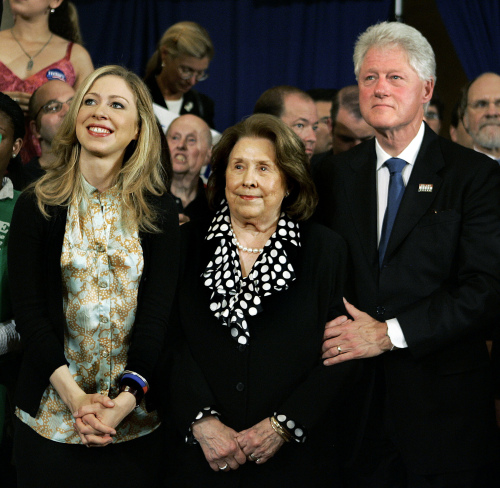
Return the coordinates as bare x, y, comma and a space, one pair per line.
219, 444
260, 443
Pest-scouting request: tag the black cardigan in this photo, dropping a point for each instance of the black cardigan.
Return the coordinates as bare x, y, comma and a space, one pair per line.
36, 283
280, 369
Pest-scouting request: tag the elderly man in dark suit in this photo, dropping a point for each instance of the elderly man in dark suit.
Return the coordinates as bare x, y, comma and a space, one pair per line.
421, 216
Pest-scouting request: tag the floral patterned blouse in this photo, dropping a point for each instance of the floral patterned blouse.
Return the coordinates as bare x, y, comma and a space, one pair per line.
101, 265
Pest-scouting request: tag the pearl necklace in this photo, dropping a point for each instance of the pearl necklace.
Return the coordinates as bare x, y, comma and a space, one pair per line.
243, 248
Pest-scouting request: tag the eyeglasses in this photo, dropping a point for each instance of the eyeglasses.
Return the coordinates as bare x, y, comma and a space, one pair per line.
53, 107
482, 105
187, 73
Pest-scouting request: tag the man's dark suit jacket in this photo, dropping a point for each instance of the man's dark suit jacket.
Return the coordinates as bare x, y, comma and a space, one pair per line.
441, 280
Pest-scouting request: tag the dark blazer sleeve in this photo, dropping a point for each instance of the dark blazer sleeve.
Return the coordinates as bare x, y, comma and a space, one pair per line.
156, 290
189, 390
36, 291
316, 395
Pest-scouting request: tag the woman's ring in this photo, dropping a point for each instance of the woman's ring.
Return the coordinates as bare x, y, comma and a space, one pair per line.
223, 468
253, 457
339, 349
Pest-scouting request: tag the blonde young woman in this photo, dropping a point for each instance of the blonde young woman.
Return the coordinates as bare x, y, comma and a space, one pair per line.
98, 241
180, 62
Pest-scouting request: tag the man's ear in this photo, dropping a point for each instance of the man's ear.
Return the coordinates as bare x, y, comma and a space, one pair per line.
208, 156
465, 121
428, 90
34, 130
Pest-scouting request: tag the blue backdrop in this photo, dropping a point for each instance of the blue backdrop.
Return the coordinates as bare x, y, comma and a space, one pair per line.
474, 29
258, 44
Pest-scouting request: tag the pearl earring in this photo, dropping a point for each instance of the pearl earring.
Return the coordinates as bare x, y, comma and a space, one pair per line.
287, 193
14, 155
52, 10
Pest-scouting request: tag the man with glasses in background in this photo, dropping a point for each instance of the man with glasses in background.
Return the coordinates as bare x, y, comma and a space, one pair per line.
323, 100
47, 108
348, 128
481, 113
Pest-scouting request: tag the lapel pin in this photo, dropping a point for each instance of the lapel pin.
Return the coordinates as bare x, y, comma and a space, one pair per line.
425, 187
188, 107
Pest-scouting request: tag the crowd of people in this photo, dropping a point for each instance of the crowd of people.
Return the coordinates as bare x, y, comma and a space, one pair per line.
323, 311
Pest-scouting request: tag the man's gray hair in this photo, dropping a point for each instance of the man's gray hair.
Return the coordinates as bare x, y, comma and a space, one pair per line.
386, 34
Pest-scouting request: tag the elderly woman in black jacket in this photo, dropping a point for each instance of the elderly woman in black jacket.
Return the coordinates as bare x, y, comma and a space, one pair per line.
249, 391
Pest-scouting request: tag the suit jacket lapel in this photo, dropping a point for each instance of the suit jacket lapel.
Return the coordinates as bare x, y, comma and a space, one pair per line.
416, 203
361, 193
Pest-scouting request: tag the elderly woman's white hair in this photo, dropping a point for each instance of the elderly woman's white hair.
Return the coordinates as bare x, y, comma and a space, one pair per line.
387, 34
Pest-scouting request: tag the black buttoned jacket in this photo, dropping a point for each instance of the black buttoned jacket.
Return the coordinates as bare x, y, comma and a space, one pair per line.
280, 370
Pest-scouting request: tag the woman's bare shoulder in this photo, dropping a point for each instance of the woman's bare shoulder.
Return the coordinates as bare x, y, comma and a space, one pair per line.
82, 62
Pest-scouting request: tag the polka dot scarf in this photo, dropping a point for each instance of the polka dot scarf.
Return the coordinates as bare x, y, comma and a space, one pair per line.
235, 298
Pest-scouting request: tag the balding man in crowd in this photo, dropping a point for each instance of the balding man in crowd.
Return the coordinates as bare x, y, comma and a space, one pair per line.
47, 107
190, 144
481, 113
323, 98
348, 126
295, 108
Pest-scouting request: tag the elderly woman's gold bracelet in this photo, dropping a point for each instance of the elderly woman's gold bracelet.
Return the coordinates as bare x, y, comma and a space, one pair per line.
283, 433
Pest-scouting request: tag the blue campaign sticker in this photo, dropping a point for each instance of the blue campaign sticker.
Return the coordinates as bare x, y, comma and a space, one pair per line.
56, 74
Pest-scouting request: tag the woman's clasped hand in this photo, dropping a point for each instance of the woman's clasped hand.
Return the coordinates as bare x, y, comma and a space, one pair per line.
226, 449
98, 415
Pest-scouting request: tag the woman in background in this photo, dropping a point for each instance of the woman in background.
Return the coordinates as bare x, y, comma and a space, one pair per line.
182, 60
40, 46
98, 239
